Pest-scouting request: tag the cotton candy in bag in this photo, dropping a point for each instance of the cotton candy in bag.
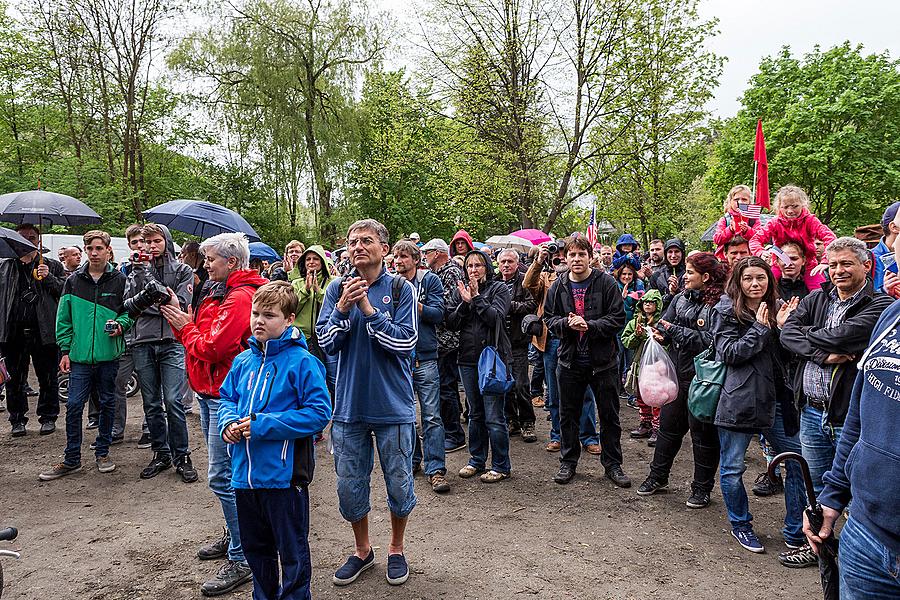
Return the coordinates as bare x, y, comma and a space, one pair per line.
657, 380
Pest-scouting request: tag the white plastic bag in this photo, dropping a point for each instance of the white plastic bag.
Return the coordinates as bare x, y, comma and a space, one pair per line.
657, 380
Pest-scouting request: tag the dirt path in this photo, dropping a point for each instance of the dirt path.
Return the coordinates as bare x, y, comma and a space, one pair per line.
115, 537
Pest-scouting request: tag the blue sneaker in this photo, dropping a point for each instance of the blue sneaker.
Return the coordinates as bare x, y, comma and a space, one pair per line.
747, 539
353, 568
398, 570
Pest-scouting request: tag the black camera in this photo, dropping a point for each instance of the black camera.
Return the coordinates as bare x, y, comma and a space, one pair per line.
110, 327
154, 293
553, 248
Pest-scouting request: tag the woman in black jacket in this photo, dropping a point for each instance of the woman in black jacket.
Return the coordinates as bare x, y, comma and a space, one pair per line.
756, 397
478, 311
687, 327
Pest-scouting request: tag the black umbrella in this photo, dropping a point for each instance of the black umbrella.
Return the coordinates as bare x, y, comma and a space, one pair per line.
200, 218
40, 207
828, 549
13, 245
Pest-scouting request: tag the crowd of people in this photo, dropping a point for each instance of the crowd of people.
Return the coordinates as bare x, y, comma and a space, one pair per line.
338, 346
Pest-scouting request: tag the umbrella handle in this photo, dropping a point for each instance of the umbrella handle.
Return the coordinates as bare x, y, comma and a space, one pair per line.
34, 272
804, 469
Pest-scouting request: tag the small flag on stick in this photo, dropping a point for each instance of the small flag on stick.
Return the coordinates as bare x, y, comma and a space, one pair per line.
750, 211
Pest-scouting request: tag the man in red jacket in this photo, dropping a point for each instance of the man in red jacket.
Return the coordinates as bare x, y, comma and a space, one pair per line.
212, 338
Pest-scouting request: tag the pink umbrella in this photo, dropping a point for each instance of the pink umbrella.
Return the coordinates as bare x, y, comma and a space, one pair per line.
535, 236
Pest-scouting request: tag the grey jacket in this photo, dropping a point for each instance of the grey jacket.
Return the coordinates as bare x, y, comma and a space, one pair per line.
151, 326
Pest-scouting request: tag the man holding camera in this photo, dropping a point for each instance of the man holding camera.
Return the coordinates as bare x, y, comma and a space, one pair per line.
158, 357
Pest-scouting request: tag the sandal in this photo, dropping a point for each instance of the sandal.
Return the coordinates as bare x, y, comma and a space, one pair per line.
469, 471
493, 476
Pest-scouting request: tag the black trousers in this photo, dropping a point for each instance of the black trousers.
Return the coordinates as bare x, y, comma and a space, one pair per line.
448, 372
537, 376
22, 345
675, 420
518, 401
573, 382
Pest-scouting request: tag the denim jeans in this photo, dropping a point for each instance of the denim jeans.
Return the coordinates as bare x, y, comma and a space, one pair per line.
868, 569
734, 446
588, 422
354, 457
219, 475
487, 424
454, 436
82, 380
160, 369
428, 386
819, 440
573, 383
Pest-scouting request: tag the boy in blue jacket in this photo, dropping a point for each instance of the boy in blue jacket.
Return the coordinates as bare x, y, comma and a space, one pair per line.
273, 400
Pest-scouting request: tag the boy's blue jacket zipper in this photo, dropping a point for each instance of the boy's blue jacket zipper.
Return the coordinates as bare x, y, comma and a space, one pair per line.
281, 387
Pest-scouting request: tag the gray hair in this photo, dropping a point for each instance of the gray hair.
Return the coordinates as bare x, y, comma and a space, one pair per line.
858, 247
229, 245
372, 225
507, 250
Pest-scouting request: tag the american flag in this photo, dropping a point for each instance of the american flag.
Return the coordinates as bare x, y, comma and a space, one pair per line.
750, 211
591, 232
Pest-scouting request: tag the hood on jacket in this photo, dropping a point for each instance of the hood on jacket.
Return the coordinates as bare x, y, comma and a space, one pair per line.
462, 234
170, 243
291, 337
652, 295
320, 252
489, 272
626, 238
675, 243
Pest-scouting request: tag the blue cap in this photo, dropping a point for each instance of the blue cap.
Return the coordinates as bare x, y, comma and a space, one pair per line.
889, 214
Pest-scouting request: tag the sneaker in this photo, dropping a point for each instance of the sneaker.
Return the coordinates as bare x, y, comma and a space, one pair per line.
528, 435
145, 441
643, 431
552, 446
185, 468
353, 568
593, 449
217, 549
230, 576
565, 474
30, 391
747, 539
18, 429
632, 403
105, 464
439, 483
698, 499
651, 486
469, 471
798, 558
397, 569
48, 427
451, 448
93, 423
763, 486
618, 477
59, 470
514, 429
158, 464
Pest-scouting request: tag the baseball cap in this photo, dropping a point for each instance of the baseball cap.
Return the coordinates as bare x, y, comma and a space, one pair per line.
436, 244
415, 236
889, 214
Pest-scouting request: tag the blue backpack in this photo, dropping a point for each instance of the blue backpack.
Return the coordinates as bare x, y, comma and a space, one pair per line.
493, 376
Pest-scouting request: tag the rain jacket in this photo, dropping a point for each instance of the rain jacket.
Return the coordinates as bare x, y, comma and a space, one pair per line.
281, 387
805, 230
85, 307
731, 225
310, 300
219, 330
632, 340
660, 278
692, 325
150, 325
48, 292
620, 258
462, 234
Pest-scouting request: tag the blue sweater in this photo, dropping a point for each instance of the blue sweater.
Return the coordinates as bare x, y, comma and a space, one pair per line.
867, 461
430, 292
374, 371
281, 387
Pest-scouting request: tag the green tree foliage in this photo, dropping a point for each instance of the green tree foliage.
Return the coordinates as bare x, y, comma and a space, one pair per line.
832, 126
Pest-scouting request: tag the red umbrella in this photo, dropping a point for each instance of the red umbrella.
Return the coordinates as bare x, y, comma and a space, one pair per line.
535, 236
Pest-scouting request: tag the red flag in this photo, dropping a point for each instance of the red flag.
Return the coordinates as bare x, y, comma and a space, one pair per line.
761, 168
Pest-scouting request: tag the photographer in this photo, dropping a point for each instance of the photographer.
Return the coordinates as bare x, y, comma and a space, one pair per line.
158, 357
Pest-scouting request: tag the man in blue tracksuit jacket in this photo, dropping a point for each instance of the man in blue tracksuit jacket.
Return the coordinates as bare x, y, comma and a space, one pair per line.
273, 400
867, 468
370, 322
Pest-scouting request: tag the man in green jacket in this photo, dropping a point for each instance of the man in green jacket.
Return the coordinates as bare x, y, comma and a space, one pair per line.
89, 326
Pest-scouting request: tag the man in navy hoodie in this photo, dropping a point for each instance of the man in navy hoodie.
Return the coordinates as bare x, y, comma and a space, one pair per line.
867, 468
370, 322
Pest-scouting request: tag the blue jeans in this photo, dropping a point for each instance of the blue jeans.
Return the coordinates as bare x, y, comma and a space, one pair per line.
819, 440
734, 446
868, 570
160, 369
219, 475
487, 424
427, 383
354, 457
82, 379
588, 422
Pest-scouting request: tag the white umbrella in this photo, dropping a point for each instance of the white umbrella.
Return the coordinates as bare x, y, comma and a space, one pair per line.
509, 241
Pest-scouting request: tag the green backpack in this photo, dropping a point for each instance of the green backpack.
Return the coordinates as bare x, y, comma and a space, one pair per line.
706, 386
